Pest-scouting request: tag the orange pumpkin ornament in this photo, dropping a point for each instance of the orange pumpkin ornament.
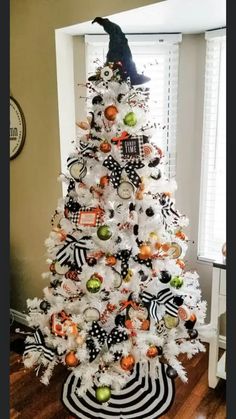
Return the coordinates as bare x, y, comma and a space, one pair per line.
105, 147
127, 362
110, 112
71, 359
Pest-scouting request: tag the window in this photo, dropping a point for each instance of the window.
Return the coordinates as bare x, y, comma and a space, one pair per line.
212, 221
157, 56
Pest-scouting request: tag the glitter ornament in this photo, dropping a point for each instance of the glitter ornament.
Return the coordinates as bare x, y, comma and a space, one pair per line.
93, 285
130, 119
110, 113
145, 251
104, 232
152, 351
103, 394
71, 359
127, 362
105, 147
176, 282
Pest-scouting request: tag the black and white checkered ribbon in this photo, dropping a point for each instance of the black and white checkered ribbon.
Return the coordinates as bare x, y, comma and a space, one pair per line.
79, 248
117, 169
165, 297
40, 346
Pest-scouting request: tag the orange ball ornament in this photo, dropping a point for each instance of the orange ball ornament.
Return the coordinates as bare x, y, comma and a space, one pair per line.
145, 251
145, 324
105, 147
111, 260
110, 112
127, 362
71, 359
152, 351
180, 234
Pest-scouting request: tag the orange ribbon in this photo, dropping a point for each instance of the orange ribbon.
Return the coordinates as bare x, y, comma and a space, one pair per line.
125, 304
124, 135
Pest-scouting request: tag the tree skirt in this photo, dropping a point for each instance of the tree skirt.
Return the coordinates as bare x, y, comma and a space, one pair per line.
143, 397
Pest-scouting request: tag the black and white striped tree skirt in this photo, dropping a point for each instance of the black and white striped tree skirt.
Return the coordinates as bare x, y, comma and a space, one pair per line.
144, 397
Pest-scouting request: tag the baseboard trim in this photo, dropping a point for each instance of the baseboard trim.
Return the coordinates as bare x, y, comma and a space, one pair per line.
19, 317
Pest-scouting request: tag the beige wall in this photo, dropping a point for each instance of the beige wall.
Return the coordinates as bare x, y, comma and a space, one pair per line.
33, 174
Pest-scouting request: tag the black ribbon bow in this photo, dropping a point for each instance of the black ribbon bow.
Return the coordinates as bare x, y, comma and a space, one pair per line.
80, 248
97, 337
117, 169
124, 256
165, 297
39, 346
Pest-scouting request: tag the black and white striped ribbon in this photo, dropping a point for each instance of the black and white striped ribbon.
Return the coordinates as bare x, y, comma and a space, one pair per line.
71, 161
79, 247
169, 213
39, 345
165, 297
87, 149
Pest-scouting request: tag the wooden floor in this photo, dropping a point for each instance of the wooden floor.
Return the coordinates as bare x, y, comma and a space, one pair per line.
29, 399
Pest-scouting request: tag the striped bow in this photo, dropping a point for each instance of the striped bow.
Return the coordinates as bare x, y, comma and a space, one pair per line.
79, 248
165, 297
39, 345
87, 149
129, 167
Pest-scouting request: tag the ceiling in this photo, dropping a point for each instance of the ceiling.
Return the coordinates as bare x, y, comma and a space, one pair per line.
186, 16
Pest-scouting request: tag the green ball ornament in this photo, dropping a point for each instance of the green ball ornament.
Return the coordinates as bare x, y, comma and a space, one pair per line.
103, 394
130, 119
176, 282
93, 285
104, 232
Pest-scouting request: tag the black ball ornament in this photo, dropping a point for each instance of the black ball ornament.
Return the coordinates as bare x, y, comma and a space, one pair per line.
178, 300
44, 305
171, 372
165, 277
92, 262
97, 100
154, 162
120, 320
193, 334
75, 207
149, 212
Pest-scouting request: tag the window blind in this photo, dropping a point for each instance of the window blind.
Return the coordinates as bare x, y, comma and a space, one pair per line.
212, 215
158, 57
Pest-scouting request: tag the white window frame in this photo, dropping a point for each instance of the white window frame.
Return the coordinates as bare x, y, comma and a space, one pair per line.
210, 136
169, 43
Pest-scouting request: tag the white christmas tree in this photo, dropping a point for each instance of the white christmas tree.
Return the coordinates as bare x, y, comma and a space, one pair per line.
118, 293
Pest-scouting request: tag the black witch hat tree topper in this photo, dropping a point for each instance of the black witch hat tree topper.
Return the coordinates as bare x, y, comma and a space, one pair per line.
119, 53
